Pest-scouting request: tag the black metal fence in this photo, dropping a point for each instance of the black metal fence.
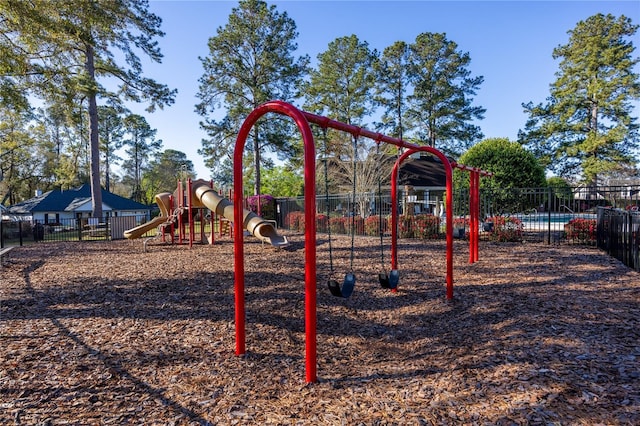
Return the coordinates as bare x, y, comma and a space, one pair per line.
567, 215
552, 215
619, 235
20, 232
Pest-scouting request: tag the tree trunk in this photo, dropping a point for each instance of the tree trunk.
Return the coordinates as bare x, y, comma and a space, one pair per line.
96, 190
107, 177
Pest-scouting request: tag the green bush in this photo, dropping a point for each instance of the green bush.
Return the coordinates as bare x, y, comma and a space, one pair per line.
512, 167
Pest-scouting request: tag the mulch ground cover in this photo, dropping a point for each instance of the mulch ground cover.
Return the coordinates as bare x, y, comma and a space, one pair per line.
105, 333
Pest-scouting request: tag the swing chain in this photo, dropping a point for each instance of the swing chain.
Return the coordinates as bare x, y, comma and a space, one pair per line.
380, 222
326, 200
353, 200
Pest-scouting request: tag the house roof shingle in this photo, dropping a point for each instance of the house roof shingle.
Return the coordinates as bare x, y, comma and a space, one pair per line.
70, 200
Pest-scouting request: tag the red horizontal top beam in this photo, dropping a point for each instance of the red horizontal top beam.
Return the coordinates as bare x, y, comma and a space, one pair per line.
471, 169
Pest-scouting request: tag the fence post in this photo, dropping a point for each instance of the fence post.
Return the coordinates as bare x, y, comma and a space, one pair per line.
549, 195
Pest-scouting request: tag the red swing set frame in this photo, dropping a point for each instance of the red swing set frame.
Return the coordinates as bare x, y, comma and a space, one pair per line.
302, 120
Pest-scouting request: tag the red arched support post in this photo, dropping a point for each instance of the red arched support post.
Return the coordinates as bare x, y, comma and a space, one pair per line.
310, 228
448, 211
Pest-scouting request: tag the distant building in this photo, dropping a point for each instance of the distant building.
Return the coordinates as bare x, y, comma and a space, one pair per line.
422, 182
73, 206
421, 185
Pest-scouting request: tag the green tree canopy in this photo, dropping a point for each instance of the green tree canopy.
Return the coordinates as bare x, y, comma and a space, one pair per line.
164, 171
393, 84
283, 181
61, 49
250, 62
343, 88
512, 167
587, 127
343, 84
17, 161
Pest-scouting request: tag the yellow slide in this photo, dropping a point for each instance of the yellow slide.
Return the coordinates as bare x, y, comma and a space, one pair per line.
162, 200
205, 196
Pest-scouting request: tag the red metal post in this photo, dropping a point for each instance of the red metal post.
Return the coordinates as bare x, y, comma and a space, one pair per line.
472, 201
180, 206
474, 207
310, 228
172, 226
190, 214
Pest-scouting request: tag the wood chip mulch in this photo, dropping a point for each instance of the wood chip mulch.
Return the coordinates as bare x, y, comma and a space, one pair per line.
103, 333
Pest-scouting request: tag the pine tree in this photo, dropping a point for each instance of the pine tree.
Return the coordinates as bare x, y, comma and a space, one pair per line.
587, 127
441, 103
112, 132
250, 62
343, 88
141, 146
393, 87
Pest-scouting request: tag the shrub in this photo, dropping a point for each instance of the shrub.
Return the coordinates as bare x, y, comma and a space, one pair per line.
505, 229
426, 226
338, 225
295, 221
267, 205
581, 230
358, 222
461, 222
372, 225
405, 226
322, 223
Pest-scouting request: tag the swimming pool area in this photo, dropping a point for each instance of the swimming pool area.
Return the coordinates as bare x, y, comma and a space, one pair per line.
553, 221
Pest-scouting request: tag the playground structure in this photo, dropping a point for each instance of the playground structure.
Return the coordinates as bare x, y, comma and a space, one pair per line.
302, 120
198, 197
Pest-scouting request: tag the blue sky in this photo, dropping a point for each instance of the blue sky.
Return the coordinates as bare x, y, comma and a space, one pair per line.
510, 44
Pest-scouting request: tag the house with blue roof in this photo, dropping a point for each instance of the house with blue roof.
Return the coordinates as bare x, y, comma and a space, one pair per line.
71, 207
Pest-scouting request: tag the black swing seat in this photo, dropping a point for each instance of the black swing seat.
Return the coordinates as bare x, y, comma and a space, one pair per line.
394, 278
384, 280
389, 281
347, 286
